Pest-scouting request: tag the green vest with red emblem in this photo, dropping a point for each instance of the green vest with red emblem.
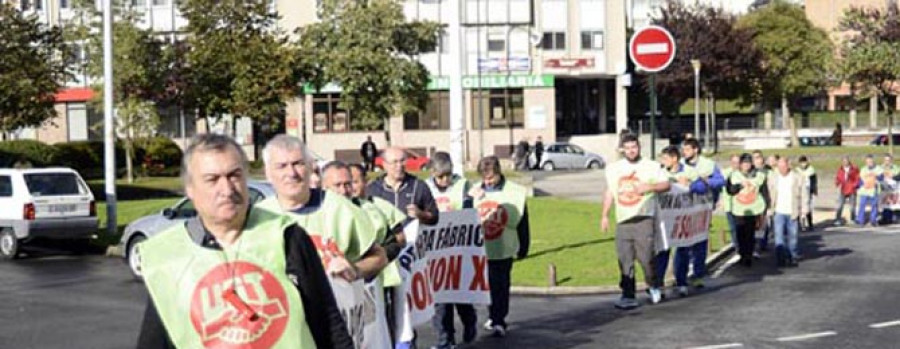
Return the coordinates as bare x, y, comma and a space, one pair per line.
749, 201
500, 229
239, 297
452, 198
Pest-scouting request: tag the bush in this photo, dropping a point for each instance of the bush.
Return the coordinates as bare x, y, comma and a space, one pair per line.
35, 152
87, 157
159, 156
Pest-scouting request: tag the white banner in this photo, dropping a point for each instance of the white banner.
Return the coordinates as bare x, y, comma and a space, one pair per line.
890, 195
358, 307
683, 218
443, 263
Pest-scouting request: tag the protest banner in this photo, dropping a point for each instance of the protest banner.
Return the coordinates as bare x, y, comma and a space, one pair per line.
442, 263
358, 308
683, 218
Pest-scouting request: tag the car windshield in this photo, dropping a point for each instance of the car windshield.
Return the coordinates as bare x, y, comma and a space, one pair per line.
54, 184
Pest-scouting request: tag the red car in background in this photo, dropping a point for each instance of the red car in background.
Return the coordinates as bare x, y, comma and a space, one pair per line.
414, 161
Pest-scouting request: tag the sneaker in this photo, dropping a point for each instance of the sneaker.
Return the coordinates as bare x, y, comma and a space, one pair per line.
498, 331
655, 295
683, 291
627, 303
488, 325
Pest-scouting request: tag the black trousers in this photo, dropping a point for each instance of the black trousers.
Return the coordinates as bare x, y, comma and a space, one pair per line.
443, 320
499, 272
746, 230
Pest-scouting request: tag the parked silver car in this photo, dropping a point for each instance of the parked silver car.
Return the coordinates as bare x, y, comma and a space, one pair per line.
569, 156
146, 227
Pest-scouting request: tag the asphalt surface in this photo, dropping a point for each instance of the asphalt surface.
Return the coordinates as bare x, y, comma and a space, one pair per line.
846, 283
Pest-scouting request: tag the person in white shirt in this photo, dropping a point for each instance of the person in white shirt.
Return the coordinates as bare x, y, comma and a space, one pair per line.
790, 201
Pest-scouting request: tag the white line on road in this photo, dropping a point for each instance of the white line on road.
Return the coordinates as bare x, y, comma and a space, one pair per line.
807, 336
734, 259
885, 324
720, 346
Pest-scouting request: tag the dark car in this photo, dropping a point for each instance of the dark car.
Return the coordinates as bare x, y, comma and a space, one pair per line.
882, 139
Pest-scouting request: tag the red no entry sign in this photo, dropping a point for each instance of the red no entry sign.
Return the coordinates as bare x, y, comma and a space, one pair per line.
652, 48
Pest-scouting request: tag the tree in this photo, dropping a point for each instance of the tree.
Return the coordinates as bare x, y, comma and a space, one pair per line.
238, 62
797, 56
870, 54
726, 52
32, 69
369, 49
139, 69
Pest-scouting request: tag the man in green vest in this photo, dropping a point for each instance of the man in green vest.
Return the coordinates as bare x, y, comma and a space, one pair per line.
343, 233
728, 199
812, 188
889, 179
501, 206
632, 184
235, 275
869, 189
449, 192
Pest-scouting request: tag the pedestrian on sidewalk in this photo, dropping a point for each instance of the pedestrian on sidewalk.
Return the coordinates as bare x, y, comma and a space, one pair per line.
812, 189
682, 178
868, 191
790, 200
847, 180
889, 184
632, 184
521, 155
727, 198
708, 172
837, 136
368, 151
748, 206
538, 153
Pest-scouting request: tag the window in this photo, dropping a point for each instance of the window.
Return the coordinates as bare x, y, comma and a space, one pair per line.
25, 5
38, 4
443, 42
186, 209
501, 108
496, 45
592, 40
63, 3
554, 41
55, 184
329, 117
160, 2
138, 3
435, 117
5, 186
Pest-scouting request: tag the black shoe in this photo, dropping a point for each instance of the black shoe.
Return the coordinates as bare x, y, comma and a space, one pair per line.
469, 333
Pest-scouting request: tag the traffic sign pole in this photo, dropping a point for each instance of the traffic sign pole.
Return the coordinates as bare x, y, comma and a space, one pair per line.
652, 49
653, 116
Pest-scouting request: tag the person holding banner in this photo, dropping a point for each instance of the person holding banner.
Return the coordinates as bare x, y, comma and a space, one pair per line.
812, 189
632, 184
683, 178
234, 269
748, 206
868, 191
450, 193
727, 199
709, 174
889, 184
504, 215
790, 201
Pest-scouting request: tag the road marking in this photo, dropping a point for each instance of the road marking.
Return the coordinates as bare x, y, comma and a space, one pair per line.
885, 324
734, 259
720, 346
803, 337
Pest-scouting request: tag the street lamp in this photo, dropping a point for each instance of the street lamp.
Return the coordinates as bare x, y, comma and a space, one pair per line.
695, 63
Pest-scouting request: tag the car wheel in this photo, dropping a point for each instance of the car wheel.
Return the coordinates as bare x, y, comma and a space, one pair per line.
595, 165
134, 257
548, 166
9, 245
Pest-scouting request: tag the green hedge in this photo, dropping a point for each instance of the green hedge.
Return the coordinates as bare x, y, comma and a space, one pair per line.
159, 156
35, 152
87, 157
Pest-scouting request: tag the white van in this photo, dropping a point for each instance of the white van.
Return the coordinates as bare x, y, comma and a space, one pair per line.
50, 203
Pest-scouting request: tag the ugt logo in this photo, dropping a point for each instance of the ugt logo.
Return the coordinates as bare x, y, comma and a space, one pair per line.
494, 219
239, 306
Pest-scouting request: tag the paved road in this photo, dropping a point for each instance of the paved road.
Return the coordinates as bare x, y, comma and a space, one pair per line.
846, 283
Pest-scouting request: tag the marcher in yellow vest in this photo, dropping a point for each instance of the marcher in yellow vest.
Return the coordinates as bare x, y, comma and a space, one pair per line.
727, 198
812, 189
234, 276
890, 174
632, 184
748, 206
870, 177
504, 216
450, 193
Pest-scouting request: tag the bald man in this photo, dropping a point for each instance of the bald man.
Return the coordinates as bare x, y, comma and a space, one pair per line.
404, 190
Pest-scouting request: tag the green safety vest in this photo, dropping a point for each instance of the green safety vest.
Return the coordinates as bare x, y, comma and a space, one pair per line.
500, 233
889, 171
189, 286
749, 202
705, 167
808, 172
726, 198
337, 226
621, 177
687, 172
869, 178
452, 198
384, 216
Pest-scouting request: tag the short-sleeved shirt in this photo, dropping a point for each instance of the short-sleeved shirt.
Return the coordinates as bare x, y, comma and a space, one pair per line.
621, 178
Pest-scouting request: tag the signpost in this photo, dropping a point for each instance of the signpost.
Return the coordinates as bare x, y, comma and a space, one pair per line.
652, 49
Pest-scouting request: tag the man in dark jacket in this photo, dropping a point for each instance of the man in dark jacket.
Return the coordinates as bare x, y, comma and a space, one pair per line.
538, 152
369, 151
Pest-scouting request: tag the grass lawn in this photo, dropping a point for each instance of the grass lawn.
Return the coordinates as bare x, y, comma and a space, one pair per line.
822, 158
567, 234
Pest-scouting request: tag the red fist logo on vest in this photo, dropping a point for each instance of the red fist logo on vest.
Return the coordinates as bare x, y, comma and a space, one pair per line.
493, 218
443, 203
239, 305
627, 193
747, 195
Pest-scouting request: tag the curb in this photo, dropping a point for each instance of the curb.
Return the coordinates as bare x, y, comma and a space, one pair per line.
115, 251
711, 261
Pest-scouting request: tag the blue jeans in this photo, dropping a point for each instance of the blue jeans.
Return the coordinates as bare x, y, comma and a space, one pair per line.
784, 223
661, 264
861, 213
695, 253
